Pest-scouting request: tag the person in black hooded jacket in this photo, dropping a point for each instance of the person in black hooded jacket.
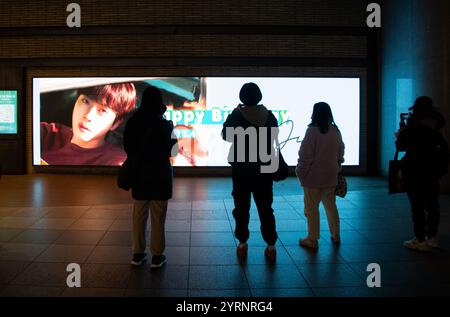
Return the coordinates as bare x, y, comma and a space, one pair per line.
247, 172
149, 142
425, 161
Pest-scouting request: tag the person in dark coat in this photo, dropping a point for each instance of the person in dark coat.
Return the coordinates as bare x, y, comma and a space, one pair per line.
425, 161
247, 174
149, 142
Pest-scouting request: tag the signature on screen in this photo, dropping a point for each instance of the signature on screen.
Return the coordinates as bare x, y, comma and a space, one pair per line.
289, 124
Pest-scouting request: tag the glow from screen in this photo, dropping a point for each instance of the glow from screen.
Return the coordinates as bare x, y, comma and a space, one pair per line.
198, 107
292, 101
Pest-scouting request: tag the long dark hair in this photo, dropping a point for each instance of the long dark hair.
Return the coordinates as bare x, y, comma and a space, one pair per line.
322, 117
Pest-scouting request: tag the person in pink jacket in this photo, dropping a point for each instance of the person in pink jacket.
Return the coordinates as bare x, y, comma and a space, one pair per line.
320, 157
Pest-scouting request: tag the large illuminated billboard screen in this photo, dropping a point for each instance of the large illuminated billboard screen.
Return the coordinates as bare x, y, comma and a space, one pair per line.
198, 107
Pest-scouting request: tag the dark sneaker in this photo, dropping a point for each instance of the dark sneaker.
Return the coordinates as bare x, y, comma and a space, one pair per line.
271, 254
336, 241
139, 259
241, 251
158, 261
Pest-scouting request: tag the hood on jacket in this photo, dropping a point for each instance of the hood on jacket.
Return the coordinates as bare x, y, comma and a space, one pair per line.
256, 115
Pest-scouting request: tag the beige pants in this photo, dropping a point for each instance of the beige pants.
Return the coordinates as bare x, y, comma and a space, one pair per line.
158, 210
313, 197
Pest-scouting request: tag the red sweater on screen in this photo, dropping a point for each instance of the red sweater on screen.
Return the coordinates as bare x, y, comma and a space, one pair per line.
57, 149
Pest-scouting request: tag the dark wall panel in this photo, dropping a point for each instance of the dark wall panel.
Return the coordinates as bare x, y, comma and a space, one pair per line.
416, 55
31, 13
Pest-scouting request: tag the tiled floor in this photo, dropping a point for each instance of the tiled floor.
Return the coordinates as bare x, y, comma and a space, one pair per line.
43, 228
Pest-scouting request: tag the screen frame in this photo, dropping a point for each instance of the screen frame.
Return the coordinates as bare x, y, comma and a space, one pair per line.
344, 72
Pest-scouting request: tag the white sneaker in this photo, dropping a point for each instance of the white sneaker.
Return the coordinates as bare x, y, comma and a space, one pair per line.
433, 243
414, 244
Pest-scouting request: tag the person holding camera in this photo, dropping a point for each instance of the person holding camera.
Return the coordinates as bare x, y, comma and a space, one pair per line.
425, 162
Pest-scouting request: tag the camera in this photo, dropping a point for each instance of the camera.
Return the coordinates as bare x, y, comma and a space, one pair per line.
404, 117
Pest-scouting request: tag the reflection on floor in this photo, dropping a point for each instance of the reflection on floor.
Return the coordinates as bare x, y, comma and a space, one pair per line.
49, 221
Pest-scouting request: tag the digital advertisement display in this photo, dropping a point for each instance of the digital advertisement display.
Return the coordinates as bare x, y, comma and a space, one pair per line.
65, 112
8, 112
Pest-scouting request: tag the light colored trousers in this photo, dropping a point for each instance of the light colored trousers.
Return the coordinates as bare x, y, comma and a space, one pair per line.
158, 211
313, 197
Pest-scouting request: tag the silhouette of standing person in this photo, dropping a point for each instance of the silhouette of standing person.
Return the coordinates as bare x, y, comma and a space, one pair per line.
320, 157
425, 161
246, 174
148, 141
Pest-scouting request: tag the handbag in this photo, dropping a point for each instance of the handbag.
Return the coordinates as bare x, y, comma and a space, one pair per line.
341, 188
283, 169
395, 177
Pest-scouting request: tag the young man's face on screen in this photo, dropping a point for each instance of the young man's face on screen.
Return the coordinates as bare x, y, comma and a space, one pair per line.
91, 122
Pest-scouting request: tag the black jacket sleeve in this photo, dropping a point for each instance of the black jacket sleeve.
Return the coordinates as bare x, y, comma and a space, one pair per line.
403, 139
231, 122
172, 140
